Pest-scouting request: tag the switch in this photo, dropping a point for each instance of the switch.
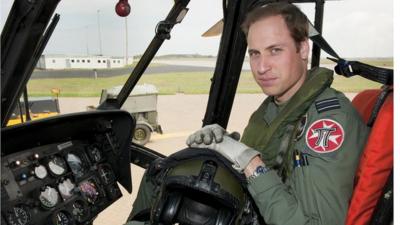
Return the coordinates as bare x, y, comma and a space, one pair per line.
24, 176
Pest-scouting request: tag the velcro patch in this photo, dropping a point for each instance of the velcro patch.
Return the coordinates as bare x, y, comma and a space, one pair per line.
327, 104
325, 135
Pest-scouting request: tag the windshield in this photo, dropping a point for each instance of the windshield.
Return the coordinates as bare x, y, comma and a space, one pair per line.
92, 49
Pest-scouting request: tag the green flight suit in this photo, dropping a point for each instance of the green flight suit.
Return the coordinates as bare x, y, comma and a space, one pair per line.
319, 192
144, 199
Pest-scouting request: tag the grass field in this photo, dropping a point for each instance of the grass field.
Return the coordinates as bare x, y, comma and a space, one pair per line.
168, 83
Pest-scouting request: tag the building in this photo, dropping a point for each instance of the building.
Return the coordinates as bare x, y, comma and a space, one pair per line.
80, 62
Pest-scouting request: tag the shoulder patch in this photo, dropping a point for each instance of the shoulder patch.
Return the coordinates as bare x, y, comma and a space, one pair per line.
324, 136
327, 104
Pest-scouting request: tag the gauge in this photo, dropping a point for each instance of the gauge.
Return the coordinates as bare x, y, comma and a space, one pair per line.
106, 174
89, 191
18, 215
76, 165
94, 153
57, 165
40, 171
48, 197
66, 188
61, 218
79, 211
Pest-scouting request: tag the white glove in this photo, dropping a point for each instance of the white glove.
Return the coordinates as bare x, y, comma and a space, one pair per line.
206, 135
210, 133
238, 153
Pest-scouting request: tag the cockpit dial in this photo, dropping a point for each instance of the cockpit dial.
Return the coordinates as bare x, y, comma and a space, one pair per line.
48, 197
106, 174
94, 153
18, 215
57, 165
62, 218
79, 210
65, 188
89, 191
40, 171
76, 164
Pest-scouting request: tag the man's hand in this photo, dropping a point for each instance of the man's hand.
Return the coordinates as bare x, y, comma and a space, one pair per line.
210, 133
238, 153
206, 135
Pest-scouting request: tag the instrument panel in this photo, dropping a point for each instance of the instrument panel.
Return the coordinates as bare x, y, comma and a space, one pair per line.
66, 180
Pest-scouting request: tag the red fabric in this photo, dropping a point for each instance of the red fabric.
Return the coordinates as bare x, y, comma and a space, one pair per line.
364, 102
376, 161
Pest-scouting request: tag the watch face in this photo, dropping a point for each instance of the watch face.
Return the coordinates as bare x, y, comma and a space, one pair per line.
261, 169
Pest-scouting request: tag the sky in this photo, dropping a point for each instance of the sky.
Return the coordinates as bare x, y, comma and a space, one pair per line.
354, 28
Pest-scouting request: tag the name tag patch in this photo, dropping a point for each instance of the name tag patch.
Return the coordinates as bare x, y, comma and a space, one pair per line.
324, 136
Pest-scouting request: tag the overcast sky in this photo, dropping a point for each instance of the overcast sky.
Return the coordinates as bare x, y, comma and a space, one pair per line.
354, 28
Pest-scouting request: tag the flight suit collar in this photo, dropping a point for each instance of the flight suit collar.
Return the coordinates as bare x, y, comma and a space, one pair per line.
272, 110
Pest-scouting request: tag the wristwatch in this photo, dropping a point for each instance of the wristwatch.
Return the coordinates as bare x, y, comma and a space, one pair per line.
258, 171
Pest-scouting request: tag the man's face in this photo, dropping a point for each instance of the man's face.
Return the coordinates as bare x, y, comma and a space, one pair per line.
278, 67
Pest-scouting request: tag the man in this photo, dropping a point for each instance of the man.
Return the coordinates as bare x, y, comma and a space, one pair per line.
301, 147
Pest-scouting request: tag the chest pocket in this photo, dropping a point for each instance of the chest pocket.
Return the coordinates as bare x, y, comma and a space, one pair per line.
301, 183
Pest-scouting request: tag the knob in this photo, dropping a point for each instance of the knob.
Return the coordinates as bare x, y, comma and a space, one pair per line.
122, 8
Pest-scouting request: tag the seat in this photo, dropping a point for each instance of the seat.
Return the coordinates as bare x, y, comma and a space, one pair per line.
376, 162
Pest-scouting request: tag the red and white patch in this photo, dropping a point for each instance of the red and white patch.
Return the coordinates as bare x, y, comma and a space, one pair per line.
325, 136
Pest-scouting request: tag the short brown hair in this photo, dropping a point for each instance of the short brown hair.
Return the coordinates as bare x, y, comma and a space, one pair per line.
295, 19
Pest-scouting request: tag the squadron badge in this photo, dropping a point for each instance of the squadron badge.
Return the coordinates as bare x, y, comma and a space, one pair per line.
324, 136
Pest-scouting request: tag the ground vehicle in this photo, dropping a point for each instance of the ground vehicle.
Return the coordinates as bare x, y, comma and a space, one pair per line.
40, 107
142, 105
90, 136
